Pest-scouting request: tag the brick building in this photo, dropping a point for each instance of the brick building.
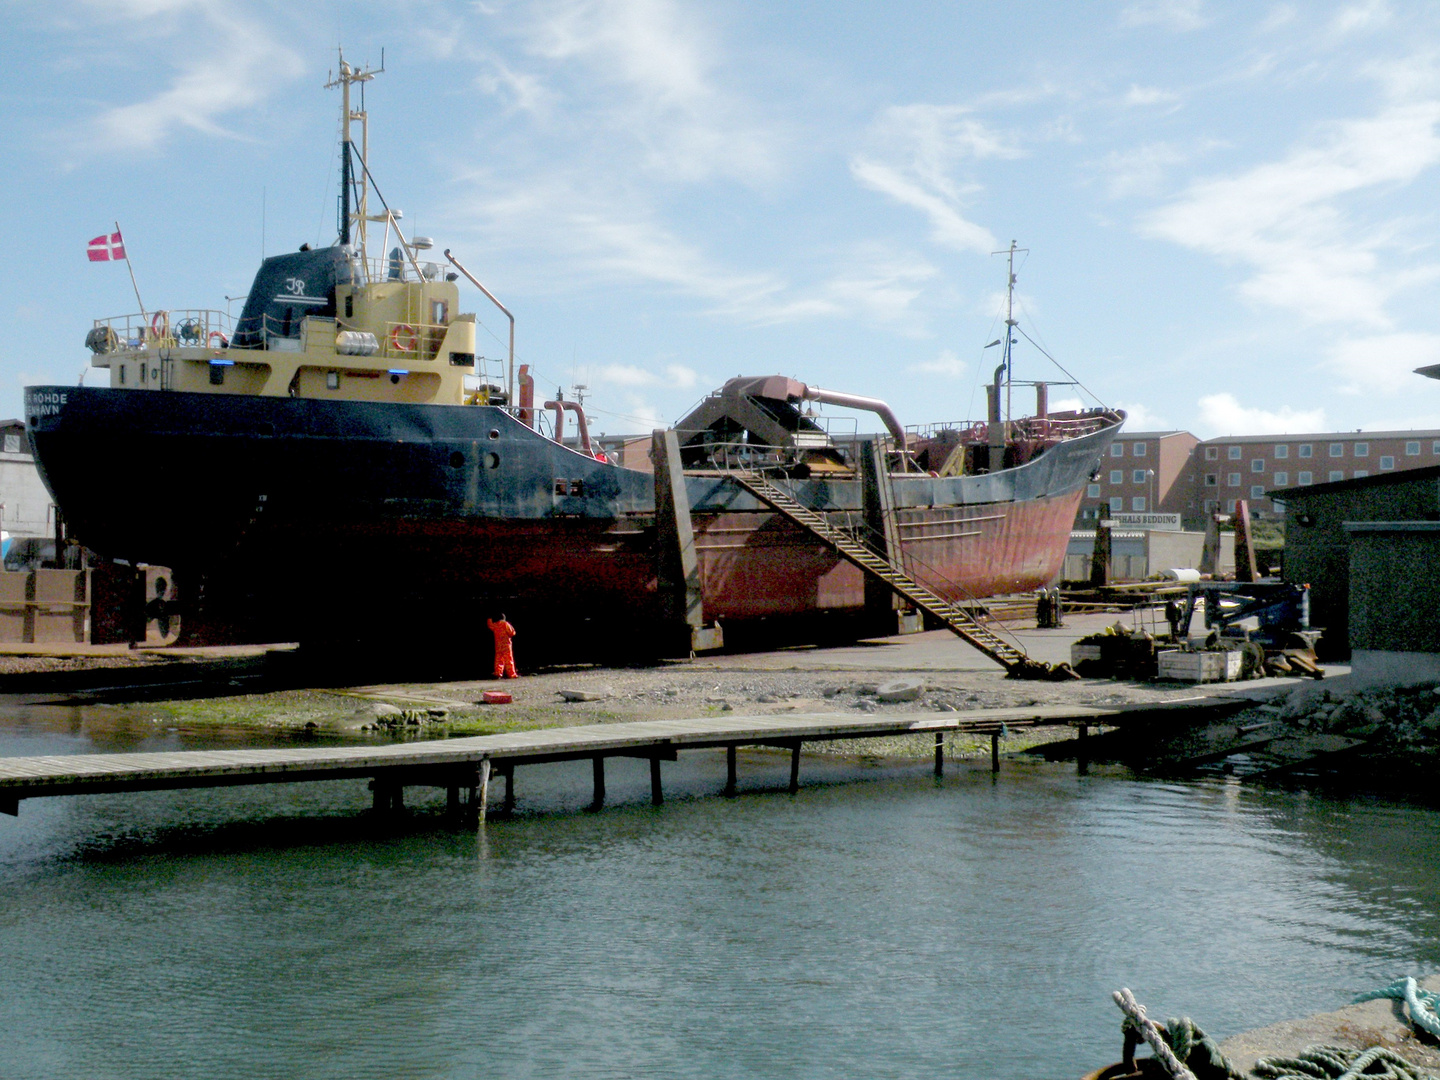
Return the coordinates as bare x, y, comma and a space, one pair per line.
1144, 471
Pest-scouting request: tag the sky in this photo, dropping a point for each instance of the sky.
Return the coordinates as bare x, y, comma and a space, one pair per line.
1228, 209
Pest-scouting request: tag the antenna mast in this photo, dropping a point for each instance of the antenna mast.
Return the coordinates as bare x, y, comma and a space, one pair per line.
1007, 364
360, 214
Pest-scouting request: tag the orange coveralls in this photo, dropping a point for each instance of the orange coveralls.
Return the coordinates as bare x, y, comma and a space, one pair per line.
504, 656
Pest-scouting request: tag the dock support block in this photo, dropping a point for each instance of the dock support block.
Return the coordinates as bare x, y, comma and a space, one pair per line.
730, 770
939, 753
597, 764
794, 766
1082, 750
9, 806
657, 794
995, 752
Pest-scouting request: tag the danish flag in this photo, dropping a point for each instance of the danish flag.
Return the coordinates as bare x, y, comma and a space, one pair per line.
106, 248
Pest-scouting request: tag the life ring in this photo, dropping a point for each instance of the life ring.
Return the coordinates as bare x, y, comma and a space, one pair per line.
407, 332
979, 431
160, 324
216, 335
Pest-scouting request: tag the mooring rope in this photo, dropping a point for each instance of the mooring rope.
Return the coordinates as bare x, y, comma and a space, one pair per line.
1421, 1003
1151, 1034
1339, 1063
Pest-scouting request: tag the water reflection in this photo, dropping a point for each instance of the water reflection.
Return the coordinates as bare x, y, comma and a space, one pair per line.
893, 927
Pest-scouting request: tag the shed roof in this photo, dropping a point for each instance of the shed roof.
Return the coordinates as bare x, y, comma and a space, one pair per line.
1384, 479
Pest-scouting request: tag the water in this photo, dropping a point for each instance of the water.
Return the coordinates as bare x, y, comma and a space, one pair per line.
894, 927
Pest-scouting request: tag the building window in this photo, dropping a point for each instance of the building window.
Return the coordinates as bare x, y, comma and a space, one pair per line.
1092, 491
1337, 449
1281, 479
1361, 472
1117, 476
1336, 474
1139, 450
1210, 505
1137, 504
1435, 447
12, 445
1117, 449
1229, 506
1088, 514
1305, 450
1211, 480
1282, 451
1212, 453
1362, 449
1257, 464
1137, 476
1305, 478
1117, 504
1232, 479
1412, 449
1387, 462
1233, 453
1257, 491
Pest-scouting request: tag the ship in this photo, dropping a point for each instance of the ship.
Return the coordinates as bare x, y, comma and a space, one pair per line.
340, 464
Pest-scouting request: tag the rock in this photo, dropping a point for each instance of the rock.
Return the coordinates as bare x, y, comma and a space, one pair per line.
727, 707
865, 705
582, 695
767, 699
944, 706
834, 691
867, 688
381, 708
900, 690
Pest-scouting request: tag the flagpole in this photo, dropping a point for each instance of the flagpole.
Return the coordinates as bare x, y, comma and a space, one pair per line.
132, 272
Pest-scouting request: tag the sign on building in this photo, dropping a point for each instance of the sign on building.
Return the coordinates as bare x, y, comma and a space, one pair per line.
1159, 522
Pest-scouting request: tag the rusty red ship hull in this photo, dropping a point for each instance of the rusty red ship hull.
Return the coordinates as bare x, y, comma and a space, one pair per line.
293, 519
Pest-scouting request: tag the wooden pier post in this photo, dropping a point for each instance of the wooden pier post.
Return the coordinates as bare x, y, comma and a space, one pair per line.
995, 752
794, 766
481, 798
939, 753
598, 766
730, 769
509, 772
657, 795
1082, 750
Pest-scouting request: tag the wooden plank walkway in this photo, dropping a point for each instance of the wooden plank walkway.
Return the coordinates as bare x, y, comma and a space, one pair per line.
464, 764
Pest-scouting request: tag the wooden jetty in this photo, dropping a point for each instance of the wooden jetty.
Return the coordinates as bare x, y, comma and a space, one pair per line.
464, 766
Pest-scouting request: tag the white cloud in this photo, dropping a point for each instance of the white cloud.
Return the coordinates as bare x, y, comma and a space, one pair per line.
1150, 95
201, 93
1177, 15
1222, 414
644, 73
1384, 363
1285, 219
1143, 170
1359, 18
1278, 16
675, 376
1139, 417
913, 153
947, 364
948, 227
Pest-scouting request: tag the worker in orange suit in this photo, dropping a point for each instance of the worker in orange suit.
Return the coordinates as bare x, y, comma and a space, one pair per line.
504, 655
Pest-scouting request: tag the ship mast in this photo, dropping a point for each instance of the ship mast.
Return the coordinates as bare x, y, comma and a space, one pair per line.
357, 217
1007, 364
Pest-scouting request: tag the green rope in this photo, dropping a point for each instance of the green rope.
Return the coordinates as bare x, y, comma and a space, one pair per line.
1338, 1063
1421, 1003
1197, 1051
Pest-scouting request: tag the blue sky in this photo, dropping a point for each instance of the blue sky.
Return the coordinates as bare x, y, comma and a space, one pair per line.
1229, 208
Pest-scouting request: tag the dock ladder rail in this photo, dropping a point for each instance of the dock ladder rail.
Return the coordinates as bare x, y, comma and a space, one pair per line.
960, 622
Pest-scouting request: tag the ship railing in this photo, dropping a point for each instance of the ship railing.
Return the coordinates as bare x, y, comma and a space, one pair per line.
1058, 427
392, 268
166, 328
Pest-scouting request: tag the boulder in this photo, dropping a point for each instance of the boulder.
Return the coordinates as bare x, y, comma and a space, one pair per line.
900, 690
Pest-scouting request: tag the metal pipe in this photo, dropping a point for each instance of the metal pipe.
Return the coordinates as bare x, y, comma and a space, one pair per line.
574, 406
510, 369
855, 401
559, 407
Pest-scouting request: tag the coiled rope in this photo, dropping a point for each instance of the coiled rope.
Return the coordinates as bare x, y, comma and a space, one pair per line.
1338, 1063
1421, 1003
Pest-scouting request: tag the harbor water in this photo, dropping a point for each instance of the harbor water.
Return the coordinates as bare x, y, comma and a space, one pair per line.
879, 923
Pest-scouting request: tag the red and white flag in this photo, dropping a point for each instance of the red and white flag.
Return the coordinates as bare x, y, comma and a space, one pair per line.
105, 248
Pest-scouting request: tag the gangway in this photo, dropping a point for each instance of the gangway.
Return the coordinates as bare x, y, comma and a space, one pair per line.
1012, 657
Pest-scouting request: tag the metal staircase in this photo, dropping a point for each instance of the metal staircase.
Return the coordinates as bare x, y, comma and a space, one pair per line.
959, 621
